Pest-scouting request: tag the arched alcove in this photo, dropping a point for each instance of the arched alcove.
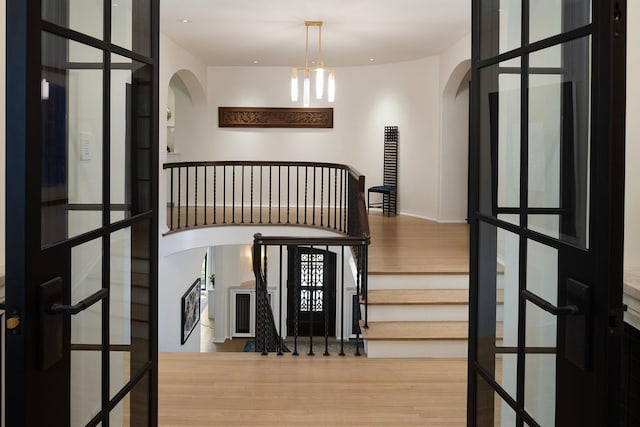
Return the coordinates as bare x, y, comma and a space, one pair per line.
455, 145
186, 114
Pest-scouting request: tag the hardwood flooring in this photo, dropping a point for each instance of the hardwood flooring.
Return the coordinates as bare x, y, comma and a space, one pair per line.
406, 245
242, 389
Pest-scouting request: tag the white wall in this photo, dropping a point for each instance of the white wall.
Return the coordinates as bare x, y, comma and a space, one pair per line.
175, 274
632, 180
367, 99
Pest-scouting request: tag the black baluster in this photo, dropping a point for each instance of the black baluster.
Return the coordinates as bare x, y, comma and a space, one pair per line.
313, 205
280, 308
365, 286
306, 182
321, 196
335, 197
325, 305
233, 194
358, 272
224, 194
242, 198
311, 299
215, 190
205, 195
265, 301
186, 199
288, 191
296, 292
251, 208
342, 306
341, 191
270, 192
195, 202
179, 194
172, 205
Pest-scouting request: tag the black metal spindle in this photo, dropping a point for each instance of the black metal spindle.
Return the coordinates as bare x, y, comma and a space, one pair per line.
265, 299
186, 199
280, 307
365, 286
342, 305
306, 181
205, 195
296, 293
321, 196
224, 194
311, 305
233, 194
325, 308
172, 205
270, 192
215, 190
251, 196
279, 192
195, 202
341, 197
313, 204
179, 194
242, 198
288, 191
335, 197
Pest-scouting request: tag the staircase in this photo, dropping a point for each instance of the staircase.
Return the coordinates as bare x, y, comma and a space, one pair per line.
417, 316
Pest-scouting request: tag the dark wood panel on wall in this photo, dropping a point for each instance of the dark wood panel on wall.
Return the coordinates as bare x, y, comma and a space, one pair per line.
257, 117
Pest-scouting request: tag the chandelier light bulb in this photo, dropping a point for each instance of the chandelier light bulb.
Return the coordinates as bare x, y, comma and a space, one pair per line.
319, 81
331, 87
294, 85
306, 89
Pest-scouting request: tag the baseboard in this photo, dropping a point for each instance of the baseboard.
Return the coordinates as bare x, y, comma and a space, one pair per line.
428, 218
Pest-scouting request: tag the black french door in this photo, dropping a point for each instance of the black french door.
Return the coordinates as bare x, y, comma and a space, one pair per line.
82, 132
311, 307
547, 207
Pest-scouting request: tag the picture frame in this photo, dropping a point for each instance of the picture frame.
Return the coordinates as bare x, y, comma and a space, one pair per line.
269, 117
190, 309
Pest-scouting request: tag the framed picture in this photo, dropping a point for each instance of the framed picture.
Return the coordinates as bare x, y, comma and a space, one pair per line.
190, 303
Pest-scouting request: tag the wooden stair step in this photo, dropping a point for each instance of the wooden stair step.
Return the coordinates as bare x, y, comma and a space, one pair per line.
403, 331
419, 297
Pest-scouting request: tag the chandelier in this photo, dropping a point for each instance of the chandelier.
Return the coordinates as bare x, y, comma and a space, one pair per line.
320, 70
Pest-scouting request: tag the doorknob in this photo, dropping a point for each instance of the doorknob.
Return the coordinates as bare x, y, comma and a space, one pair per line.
577, 323
52, 314
548, 307
80, 306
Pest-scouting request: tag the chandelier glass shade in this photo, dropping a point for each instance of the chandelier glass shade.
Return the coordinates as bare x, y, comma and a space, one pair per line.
319, 72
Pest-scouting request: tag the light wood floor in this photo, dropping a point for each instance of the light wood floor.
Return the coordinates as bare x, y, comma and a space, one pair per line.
406, 245
242, 389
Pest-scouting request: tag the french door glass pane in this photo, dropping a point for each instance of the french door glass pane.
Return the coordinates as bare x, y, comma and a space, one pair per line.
71, 144
120, 310
500, 25
551, 17
130, 137
131, 25
86, 333
499, 296
559, 140
84, 16
500, 139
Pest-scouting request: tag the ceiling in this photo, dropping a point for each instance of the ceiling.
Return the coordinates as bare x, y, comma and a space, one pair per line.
355, 32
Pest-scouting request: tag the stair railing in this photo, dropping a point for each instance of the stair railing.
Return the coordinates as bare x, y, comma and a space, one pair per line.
323, 195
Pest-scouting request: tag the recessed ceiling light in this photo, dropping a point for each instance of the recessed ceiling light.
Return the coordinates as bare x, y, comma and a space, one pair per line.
255, 61
185, 20
116, 4
371, 59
